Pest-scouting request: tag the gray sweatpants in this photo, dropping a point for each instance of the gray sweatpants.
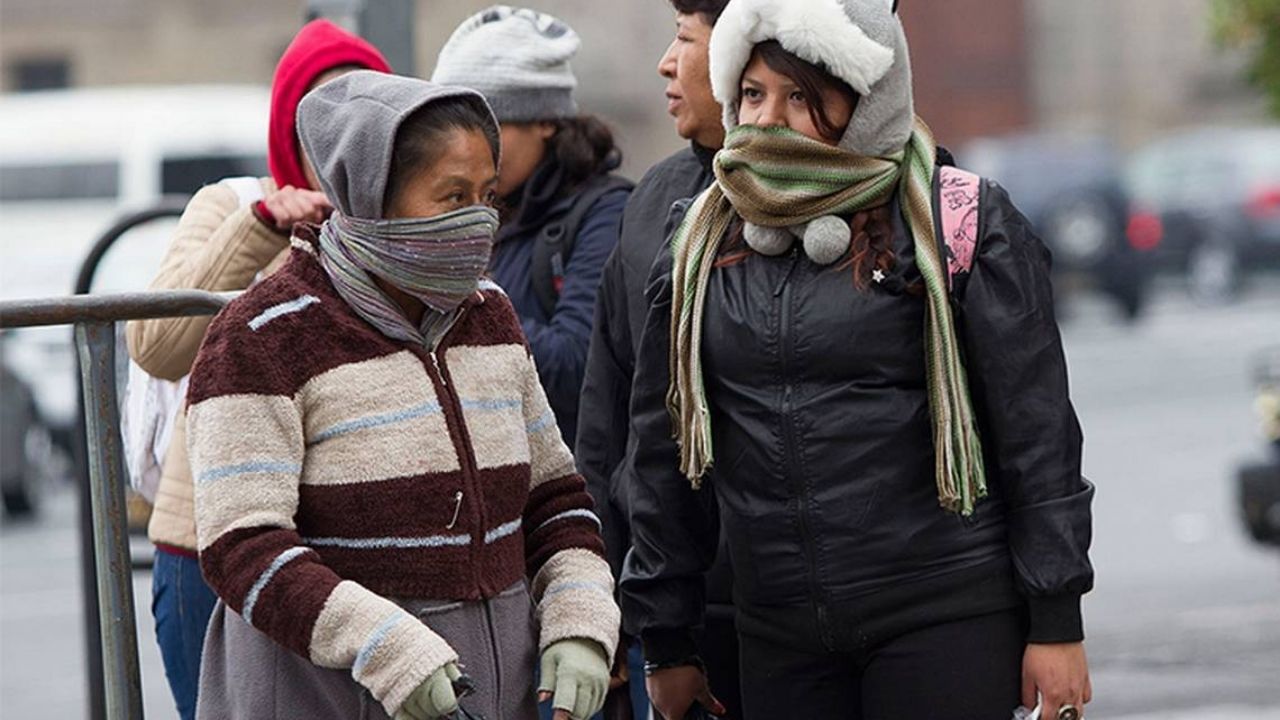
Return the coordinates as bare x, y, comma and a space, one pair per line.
245, 675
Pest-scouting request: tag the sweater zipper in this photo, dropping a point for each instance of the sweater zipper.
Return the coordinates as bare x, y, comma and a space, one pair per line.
791, 444
462, 446
435, 359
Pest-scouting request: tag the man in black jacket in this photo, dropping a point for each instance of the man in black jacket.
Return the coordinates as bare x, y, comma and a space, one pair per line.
603, 432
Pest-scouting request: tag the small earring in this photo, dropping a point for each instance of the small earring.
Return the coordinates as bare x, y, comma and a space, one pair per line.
878, 275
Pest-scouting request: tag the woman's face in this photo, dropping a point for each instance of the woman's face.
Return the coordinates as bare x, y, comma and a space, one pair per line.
771, 99
685, 65
523, 147
463, 176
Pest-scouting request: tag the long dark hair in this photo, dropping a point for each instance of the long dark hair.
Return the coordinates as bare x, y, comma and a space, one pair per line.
419, 139
871, 247
584, 147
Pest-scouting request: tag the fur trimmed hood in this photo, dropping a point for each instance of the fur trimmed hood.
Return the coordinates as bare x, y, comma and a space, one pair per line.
859, 41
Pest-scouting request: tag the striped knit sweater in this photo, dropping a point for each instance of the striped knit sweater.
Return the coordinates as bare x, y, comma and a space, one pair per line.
336, 468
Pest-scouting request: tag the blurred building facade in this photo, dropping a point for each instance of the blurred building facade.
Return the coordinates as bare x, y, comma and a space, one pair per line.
1127, 70
1131, 70
971, 66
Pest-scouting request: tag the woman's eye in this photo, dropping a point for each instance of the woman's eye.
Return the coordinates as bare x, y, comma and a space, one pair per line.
797, 96
457, 198
491, 198
750, 93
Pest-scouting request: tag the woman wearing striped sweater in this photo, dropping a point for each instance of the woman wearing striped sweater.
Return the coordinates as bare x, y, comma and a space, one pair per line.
383, 500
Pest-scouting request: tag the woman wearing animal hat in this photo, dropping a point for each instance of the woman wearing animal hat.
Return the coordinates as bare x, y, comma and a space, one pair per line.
874, 411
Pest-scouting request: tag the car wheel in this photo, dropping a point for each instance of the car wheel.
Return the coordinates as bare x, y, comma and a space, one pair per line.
1213, 272
1129, 300
1259, 488
21, 495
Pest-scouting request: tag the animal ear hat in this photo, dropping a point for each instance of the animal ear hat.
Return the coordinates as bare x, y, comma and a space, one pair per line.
859, 41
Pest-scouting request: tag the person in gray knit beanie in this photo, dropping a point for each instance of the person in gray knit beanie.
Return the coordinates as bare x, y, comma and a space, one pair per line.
518, 59
560, 204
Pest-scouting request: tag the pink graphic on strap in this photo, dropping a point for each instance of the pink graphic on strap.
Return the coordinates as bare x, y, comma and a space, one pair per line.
958, 201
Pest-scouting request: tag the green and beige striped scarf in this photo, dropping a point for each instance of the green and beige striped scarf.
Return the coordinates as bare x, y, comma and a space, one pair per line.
775, 177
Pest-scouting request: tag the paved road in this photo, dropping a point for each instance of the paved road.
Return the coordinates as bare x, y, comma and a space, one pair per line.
1187, 611
1185, 622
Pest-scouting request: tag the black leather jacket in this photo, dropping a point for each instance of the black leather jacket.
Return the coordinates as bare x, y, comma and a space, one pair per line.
824, 466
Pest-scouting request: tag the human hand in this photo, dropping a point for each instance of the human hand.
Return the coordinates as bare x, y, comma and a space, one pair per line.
289, 206
674, 690
434, 698
1060, 672
575, 676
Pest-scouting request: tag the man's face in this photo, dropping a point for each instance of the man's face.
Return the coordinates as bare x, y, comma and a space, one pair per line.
689, 98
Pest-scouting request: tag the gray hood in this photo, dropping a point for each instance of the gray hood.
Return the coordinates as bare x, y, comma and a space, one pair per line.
348, 128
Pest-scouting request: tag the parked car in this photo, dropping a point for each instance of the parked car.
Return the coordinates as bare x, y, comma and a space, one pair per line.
1259, 481
1071, 189
64, 180
1207, 202
25, 445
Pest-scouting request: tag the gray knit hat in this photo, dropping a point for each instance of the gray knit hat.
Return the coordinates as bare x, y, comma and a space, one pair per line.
859, 41
518, 59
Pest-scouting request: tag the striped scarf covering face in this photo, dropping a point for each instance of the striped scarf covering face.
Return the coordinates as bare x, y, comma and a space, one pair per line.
438, 260
778, 178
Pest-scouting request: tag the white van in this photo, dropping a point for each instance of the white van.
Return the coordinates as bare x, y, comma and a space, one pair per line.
72, 162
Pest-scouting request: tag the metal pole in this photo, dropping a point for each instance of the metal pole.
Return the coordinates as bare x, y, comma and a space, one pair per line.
80, 453
96, 345
389, 24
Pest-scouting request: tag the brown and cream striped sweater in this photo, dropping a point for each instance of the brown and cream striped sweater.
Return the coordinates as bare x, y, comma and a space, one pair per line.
336, 468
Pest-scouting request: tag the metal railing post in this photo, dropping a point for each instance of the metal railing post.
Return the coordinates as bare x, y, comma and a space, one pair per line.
96, 347
168, 208
94, 318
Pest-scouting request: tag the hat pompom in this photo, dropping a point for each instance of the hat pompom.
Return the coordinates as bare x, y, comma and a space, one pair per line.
767, 240
827, 239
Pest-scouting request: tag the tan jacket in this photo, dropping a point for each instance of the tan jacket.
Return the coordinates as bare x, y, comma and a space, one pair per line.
218, 246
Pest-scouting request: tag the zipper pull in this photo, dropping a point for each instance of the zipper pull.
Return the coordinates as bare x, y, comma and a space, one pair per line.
435, 362
795, 260
457, 508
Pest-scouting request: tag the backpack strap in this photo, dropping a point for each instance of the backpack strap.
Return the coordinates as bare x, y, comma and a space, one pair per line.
959, 192
555, 241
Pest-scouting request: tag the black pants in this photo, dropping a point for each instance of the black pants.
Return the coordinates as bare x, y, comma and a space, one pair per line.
966, 669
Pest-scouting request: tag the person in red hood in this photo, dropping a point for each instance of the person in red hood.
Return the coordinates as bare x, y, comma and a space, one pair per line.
231, 233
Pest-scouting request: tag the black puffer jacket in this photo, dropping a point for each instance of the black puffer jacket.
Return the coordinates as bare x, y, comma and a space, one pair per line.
824, 466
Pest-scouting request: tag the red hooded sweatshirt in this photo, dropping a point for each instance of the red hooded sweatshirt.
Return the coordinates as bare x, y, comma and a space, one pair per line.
318, 47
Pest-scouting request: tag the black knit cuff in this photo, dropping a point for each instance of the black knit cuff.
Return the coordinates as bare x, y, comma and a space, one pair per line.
663, 647
1055, 619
